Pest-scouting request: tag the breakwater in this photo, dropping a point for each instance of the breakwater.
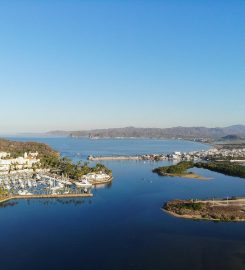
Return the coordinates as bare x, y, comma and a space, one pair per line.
101, 158
45, 196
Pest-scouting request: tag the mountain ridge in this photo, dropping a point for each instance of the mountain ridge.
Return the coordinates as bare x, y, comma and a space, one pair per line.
174, 132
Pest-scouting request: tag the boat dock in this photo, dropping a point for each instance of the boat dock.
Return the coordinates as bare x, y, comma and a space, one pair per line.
46, 196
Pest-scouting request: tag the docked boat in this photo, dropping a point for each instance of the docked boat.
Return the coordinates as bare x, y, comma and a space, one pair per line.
84, 183
22, 185
24, 192
98, 177
29, 184
56, 188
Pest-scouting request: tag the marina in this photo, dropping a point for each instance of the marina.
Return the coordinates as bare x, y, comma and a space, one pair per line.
47, 185
38, 184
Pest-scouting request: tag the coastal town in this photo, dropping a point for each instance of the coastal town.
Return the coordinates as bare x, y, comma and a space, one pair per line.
26, 163
233, 155
215, 153
25, 177
42, 173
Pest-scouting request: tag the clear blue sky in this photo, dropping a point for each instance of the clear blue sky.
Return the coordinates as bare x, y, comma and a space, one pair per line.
97, 64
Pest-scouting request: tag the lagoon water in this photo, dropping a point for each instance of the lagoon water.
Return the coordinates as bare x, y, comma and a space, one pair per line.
122, 226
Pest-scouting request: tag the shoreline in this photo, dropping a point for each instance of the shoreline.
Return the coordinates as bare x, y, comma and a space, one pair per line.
95, 183
199, 217
188, 176
221, 210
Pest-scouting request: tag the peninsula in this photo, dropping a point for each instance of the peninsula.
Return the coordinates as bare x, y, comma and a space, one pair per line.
35, 170
228, 209
179, 170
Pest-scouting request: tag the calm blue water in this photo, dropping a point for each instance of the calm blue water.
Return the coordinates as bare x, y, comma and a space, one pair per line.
123, 226
81, 148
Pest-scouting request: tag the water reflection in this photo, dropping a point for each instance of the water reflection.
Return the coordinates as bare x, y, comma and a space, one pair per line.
8, 204
56, 201
103, 186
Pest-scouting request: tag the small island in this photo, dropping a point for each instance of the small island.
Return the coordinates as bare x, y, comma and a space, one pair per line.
180, 169
229, 209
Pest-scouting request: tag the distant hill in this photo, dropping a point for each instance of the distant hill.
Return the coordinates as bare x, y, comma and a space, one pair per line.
17, 148
231, 138
175, 132
235, 129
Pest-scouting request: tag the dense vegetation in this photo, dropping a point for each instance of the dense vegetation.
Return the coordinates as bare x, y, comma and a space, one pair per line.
190, 205
19, 148
226, 168
223, 167
3, 193
206, 210
179, 168
72, 170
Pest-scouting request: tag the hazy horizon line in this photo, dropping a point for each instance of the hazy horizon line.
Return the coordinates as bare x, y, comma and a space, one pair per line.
43, 132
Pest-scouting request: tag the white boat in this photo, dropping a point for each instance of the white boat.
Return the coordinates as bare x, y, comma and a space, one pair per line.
50, 183
22, 185
53, 189
68, 183
58, 187
97, 177
84, 183
29, 183
34, 184
24, 192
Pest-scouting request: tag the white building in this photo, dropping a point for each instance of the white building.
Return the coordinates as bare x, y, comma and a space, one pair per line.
19, 163
4, 154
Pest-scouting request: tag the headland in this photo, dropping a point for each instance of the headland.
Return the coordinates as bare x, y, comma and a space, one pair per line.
34, 170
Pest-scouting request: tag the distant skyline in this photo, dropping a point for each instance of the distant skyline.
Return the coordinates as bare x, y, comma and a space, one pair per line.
75, 65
